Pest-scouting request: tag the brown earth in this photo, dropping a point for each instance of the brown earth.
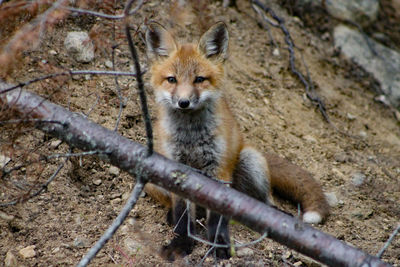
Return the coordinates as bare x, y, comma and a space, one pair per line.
269, 103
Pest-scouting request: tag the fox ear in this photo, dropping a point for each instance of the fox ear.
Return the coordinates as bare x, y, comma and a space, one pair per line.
159, 42
214, 42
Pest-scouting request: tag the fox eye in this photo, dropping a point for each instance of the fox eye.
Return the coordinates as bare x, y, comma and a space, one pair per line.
199, 79
171, 79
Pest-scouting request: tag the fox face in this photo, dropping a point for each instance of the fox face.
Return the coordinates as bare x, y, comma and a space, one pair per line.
187, 77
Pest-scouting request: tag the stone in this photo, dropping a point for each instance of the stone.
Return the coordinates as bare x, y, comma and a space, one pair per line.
27, 252
113, 171
10, 260
310, 138
79, 46
4, 216
80, 242
358, 178
244, 252
363, 12
3, 160
331, 199
341, 157
115, 195
55, 143
108, 64
132, 245
385, 67
97, 182
351, 116
363, 134
115, 201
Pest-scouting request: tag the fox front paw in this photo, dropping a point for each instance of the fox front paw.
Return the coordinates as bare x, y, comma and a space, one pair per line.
180, 246
223, 253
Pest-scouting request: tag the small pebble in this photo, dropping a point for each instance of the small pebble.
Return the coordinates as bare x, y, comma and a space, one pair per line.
113, 171
116, 195
97, 182
363, 134
10, 260
244, 252
108, 64
6, 217
310, 138
332, 199
351, 116
55, 143
28, 252
81, 242
3, 161
115, 201
358, 178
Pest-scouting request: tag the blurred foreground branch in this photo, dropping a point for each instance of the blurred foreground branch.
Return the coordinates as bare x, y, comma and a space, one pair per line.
78, 131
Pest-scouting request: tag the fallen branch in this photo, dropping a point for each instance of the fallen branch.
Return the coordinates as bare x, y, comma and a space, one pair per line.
129, 156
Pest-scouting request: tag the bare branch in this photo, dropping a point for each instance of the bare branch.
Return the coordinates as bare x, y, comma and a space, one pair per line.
311, 94
41, 189
142, 93
392, 236
72, 73
188, 183
137, 190
94, 13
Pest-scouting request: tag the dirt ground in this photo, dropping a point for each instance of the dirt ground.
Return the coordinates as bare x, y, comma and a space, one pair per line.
274, 114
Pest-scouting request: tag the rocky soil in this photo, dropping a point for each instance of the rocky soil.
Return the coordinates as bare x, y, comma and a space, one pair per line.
356, 157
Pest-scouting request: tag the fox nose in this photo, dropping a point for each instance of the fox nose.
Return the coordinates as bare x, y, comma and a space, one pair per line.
183, 103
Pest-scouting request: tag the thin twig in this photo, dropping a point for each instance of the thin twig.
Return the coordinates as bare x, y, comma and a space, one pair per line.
41, 189
94, 13
72, 73
395, 232
142, 93
29, 120
311, 94
119, 93
219, 245
135, 194
92, 107
69, 155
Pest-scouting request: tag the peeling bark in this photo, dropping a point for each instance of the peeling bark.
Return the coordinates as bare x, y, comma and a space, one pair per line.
129, 156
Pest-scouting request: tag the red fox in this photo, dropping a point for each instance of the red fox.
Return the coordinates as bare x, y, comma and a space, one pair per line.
196, 127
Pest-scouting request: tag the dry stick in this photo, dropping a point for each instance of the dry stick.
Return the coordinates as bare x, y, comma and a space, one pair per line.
141, 178
137, 190
311, 94
121, 99
142, 93
188, 183
42, 187
395, 232
71, 73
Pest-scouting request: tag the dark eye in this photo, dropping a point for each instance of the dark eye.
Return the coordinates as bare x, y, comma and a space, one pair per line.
171, 79
199, 79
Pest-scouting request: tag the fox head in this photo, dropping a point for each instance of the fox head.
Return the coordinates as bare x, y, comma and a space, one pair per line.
187, 77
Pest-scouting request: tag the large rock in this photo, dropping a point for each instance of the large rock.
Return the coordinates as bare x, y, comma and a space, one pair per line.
79, 46
363, 12
384, 65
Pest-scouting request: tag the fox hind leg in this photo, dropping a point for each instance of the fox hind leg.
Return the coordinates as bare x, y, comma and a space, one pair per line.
218, 232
